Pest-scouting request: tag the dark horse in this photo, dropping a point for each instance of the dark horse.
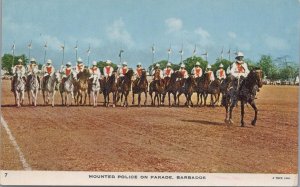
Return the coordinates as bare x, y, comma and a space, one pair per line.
125, 86
205, 87
140, 85
188, 90
109, 85
157, 86
246, 94
172, 86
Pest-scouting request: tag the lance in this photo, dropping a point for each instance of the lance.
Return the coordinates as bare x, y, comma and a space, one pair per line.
205, 54
222, 53
194, 52
88, 54
169, 52
63, 55
228, 54
120, 55
45, 47
13, 52
153, 51
76, 48
29, 48
181, 53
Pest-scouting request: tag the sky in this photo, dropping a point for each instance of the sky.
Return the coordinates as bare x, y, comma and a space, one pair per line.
254, 27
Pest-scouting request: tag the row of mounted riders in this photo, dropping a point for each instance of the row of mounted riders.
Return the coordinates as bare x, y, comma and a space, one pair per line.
241, 89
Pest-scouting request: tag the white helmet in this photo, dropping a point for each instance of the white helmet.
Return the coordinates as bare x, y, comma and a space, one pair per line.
208, 66
20, 60
49, 61
108, 62
157, 65
32, 60
168, 64
221, 65
79, 60
197, 63
69, 64
139, 64
182, 66
239, 54
94, 63
125, 63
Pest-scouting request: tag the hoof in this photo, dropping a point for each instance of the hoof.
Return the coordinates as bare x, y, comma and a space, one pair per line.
189, 106
253, 122
230, 121
242, 124
114, 106
140, 105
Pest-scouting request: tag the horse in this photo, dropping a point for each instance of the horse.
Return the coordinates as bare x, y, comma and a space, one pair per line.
245, 94
125, 86
188, 90
214, 91
157, 86
81, 86
110, 86
173, 86
66, 89
139, 86
94, 88
33, 88
19, 88
48, 88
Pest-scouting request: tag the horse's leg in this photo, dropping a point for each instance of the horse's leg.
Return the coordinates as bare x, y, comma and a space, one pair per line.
174, 95
132, 98
53, 94
145, 98
186, 99
198, 98
28, 93
179, 94
150, 93
139, 99
17, 98
242, 113
230, 111
252, 103
85, 95
126, 97
114, 99
169, 98
44, 97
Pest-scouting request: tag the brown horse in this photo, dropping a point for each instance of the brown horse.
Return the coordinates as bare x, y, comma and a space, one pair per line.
246, 94
214, 91
125, 86
157, 86
81, 87
188, 90
139, 86
202, 87
109, 85
172, 86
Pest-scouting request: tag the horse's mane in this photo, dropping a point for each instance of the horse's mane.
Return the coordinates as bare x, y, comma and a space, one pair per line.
129, 74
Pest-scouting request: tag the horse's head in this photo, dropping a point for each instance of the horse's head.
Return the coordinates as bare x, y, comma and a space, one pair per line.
258, 74
129, 73
157, 74
144, 72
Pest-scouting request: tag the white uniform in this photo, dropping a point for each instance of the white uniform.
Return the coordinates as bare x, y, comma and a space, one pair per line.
66, 72
32, 68
48, 70
197, 71
184, 73
19, 68
95, 71
138, 72
79, 68
160, 73
107, 71
211, 75
122, 71
221, 74
168, 71
239, 69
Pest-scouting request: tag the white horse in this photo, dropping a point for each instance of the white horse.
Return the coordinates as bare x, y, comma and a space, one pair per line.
49, 84
95, 88
33, 88
66, 89
19, 88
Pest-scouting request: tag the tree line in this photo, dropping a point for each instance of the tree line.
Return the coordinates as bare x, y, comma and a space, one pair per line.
270, 69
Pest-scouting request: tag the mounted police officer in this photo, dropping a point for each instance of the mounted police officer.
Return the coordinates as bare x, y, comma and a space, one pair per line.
32, 68
239, 71
221, 75
18, 68
48, 70
168, 70
197, 70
